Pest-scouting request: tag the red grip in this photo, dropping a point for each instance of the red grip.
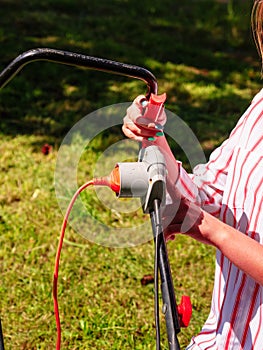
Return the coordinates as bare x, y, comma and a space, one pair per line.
154, 107
157, 99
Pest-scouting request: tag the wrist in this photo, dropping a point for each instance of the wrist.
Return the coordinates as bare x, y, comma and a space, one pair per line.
214, 231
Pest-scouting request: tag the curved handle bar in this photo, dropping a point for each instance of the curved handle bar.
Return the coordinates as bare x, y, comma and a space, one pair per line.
75, 59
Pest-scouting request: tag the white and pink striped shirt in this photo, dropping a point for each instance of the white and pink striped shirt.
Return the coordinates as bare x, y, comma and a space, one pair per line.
230, 186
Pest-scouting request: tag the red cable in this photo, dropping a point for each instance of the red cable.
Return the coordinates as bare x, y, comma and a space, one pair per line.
113, 182
56, 269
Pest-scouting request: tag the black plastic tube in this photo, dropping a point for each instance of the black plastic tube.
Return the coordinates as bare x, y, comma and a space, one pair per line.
168, 294
1, 337
79, 60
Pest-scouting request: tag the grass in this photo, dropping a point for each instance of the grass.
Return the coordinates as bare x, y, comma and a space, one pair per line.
203, 56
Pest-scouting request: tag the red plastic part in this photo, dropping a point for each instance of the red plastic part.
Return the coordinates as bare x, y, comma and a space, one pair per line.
154, 112
157, 99
112, 181
115, 182
154, 108
184, 311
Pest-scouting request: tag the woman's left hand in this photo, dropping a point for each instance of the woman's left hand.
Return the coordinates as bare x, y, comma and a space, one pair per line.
183, 217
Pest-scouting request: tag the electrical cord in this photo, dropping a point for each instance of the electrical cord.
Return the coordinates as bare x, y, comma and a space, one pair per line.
57, 259
113, 183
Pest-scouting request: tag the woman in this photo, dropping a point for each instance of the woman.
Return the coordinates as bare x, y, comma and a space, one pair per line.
224, 208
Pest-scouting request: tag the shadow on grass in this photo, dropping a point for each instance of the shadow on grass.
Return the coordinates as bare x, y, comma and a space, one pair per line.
210, 39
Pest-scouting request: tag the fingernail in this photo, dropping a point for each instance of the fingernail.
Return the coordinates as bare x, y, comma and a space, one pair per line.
159, 133
151, 139
144, 103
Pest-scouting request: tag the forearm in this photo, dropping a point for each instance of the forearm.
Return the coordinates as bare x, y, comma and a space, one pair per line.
243, 251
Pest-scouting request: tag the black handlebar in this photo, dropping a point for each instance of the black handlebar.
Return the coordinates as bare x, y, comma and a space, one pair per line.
75, 59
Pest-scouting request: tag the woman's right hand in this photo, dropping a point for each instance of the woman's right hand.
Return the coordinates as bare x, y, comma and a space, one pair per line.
135, 125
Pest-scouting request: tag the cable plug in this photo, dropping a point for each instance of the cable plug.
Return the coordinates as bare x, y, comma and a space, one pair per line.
144, 179
112, 180
127, 180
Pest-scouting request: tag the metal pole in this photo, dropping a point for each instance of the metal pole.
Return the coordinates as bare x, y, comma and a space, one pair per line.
168, 295
1, 337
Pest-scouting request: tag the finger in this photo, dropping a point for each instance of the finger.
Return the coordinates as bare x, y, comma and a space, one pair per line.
133, 127
135, 110
131, 135
146, 123
138, 130
138, 134
138, 101
172, 230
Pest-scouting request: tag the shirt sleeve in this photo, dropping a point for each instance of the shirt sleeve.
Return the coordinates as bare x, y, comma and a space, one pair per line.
205, 186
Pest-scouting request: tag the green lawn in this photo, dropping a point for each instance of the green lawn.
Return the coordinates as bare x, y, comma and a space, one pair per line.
204, 58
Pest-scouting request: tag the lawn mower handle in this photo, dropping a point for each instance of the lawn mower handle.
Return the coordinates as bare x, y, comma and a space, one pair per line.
79, 60
101, 64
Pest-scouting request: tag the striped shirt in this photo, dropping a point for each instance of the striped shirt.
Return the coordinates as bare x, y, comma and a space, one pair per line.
230, 187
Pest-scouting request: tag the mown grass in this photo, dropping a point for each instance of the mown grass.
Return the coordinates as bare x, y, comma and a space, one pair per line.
203, 56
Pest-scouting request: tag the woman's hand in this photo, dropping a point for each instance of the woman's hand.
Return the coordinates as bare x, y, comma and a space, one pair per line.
183, 217
136, 126
245, 252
